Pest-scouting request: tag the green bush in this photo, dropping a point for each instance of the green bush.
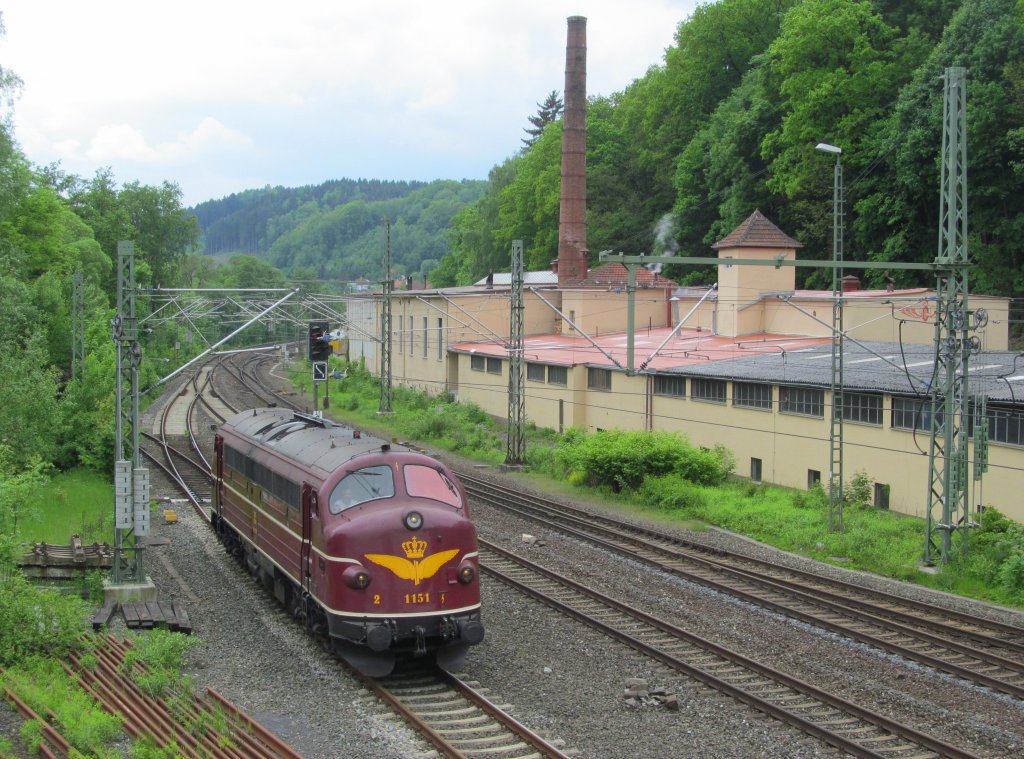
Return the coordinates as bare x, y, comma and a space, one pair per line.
673, 493
160, 649
622, 460
36, 621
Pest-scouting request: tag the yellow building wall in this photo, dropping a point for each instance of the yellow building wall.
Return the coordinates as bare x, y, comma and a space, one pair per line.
621, 408
788, 445
866, 319
598, 312
741, 286
488, 391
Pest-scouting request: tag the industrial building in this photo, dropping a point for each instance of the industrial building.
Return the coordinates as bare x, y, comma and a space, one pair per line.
744, 363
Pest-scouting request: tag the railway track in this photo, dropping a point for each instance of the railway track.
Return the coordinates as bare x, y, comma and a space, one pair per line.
457, 719
987, 653
840, 723
449, 714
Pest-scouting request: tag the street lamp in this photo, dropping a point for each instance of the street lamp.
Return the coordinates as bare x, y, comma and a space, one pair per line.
835, 484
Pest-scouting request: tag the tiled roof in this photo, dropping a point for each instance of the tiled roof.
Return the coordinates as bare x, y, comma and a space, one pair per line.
756, 232
617, 275
766, 358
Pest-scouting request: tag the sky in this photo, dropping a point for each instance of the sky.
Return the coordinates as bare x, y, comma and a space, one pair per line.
222, 96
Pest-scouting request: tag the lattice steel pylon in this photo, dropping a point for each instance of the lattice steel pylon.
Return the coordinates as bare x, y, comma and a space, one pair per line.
835, 472
385, 328
948, 491
77, 324
131, 481
515, 449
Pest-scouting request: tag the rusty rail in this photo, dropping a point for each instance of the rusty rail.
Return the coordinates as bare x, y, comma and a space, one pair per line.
55, 740
173, 721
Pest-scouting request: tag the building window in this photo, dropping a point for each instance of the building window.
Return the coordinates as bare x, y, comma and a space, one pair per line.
710, 390
412, 338
558, 375
755, 469
865, 408
401, 336
535, 372
493, 365
665, 384
599, 379
806, 401
1005, 425
881, 496
752, 395
912, 414
440, 339
813, 478
477, 363
425, 337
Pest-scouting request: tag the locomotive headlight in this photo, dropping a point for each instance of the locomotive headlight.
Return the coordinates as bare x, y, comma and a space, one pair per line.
413, 520
466, 573
356, 577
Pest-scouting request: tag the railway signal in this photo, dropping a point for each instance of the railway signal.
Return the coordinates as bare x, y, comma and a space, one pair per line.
319, 350
319, 341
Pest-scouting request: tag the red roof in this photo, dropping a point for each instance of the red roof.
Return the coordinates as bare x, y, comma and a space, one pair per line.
689, 346
756, 232
617, 275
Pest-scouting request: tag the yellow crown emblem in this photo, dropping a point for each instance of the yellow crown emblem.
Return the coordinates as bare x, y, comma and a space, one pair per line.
415, 548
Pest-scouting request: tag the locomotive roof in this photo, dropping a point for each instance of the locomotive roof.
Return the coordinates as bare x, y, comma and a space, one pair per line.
318, 443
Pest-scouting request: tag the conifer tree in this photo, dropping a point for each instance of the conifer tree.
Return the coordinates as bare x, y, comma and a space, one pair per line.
548, 111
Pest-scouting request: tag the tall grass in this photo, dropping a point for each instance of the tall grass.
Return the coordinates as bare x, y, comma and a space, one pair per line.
79, 502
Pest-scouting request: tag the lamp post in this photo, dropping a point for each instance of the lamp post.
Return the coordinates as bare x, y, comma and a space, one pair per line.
835, 472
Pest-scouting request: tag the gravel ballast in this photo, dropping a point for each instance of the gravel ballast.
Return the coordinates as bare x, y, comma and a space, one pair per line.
561, 678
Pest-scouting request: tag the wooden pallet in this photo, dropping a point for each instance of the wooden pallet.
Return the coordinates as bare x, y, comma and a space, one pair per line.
102, 616
146, 615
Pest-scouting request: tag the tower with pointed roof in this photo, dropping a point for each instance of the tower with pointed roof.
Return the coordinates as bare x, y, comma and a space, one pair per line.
741, 289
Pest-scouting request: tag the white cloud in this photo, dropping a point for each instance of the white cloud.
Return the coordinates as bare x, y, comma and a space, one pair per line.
116, 142
317, 89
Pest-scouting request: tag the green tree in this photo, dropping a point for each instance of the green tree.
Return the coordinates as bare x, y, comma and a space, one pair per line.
163, 230
528, 206
547, 112
720, 176
30, 428
897, 213
21, 483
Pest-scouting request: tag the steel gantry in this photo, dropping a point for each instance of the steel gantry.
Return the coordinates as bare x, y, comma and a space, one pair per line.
385, 327
131, 480
515, 449
949, 506
835, 437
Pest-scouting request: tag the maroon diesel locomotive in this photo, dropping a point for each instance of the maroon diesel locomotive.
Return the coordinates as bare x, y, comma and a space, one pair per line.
369, 543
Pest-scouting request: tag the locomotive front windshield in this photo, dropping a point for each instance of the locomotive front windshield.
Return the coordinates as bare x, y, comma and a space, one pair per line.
427, 482
367, 484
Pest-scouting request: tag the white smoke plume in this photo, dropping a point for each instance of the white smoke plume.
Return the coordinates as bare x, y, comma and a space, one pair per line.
665, 243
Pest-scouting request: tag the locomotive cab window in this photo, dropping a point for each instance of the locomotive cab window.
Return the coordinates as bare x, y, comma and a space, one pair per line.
367, 484
427, 482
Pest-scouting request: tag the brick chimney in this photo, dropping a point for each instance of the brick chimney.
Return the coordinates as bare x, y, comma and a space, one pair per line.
572, 220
